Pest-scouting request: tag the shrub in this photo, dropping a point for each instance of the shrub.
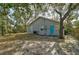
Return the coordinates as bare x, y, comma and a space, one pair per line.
75, 33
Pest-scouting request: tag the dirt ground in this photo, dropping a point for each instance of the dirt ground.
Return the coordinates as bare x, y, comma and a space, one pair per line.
29, 44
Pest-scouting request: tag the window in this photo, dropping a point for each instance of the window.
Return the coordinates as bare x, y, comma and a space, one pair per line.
42, 28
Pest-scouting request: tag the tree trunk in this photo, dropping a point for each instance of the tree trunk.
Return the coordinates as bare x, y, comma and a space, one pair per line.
2, 29
61, 32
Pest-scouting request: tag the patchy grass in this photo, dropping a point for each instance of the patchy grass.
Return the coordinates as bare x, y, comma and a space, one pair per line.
22, 43
30, 44
70, 46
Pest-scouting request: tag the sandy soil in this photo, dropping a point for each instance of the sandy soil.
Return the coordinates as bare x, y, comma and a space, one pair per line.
29, 44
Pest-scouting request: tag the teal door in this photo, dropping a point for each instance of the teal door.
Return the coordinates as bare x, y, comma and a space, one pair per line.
52, 29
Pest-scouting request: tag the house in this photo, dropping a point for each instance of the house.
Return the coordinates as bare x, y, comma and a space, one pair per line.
43, 26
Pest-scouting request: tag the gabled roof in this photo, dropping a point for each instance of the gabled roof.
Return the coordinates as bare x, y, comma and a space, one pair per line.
29, 22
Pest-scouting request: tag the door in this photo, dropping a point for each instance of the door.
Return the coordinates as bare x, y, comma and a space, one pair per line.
52, 29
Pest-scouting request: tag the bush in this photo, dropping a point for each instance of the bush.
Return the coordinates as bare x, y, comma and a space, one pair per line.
20, 28
67, 30
75, 33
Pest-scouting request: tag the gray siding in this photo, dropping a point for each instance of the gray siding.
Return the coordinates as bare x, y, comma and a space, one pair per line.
38, 24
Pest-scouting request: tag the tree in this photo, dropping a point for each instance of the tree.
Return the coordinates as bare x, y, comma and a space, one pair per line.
70, 8
4, 18
22, 14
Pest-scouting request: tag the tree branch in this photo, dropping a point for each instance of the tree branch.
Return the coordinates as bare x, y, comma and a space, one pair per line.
70, 8
60, 14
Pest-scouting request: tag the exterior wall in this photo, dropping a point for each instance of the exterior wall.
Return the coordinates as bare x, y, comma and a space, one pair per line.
39, 24
29, 29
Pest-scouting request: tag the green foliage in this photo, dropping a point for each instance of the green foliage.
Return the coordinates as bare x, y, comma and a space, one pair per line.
68, 30
20, 28
75, 33
77, 23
